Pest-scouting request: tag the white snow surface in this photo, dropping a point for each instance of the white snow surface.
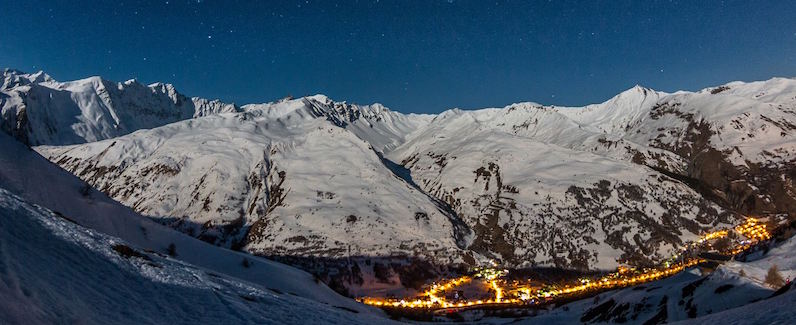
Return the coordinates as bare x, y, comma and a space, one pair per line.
54, 271
25, 173
527, 183
777, 310
234, 163
44, 111
307, 175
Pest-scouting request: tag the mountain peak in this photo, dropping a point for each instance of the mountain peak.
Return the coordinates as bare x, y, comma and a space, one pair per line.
319, 98
8, 71
637, 89
40, 76
13, 77
635, 94
131, 81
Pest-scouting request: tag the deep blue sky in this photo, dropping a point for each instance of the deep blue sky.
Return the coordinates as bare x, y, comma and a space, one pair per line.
413, 56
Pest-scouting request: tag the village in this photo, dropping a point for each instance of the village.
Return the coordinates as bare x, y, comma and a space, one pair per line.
491, 288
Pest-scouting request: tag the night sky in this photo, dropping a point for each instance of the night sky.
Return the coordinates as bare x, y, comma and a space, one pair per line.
412, 56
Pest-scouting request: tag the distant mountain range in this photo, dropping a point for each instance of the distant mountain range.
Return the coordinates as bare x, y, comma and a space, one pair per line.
629, 180
40, 110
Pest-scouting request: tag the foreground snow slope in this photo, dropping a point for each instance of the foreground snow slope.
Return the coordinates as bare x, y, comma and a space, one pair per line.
27, 174
55, 271
39, 110
776, 310
684, 296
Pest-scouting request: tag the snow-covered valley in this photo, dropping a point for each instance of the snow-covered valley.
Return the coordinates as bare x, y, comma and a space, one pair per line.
629, 181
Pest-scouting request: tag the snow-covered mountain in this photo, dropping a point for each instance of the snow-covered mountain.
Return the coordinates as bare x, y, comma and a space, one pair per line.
630, 179
382, 128
626, 179
39, 110
26, 174
277, 180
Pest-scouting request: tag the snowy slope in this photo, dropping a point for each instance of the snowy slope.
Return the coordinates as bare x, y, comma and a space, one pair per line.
615, 114
39, 110
739, 140
275, 180
380, 127
751, 125
630, 179
27, 174
776, 310
573, 186
55, 271
532, 203
755, 270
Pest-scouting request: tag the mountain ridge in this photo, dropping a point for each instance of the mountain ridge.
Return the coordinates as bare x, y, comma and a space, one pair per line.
628, 180
15, 78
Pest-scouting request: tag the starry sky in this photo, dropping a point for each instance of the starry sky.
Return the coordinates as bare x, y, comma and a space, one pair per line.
412, 56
